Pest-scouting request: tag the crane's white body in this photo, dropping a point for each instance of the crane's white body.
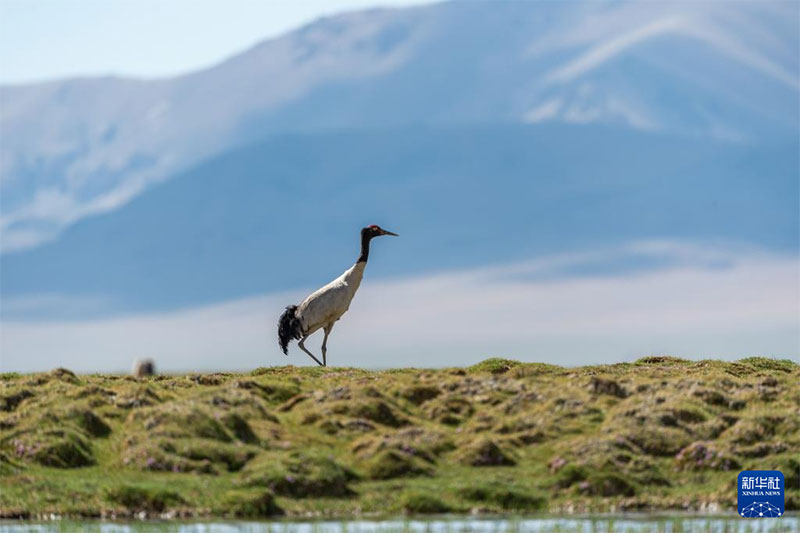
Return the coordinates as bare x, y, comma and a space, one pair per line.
325, 306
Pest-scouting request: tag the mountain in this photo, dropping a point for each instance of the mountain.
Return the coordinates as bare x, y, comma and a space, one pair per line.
704, 71
285, 212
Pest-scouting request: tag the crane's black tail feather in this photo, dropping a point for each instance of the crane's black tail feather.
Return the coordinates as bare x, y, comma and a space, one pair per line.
289, 328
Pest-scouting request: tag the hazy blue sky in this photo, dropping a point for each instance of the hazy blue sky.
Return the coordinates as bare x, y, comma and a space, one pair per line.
47, 39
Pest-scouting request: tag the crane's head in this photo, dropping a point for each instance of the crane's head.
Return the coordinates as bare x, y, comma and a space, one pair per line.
375, 231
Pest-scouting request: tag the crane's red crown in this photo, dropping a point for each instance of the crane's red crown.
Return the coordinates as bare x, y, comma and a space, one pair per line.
375, 231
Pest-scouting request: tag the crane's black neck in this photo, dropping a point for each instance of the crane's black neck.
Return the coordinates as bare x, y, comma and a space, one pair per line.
365, 238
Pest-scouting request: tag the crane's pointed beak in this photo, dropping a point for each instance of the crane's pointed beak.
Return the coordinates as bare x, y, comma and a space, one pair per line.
390, 233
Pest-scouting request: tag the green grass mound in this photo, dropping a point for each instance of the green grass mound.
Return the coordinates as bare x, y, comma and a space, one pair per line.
423, 503
414, 441
271, 390
135, 395
376, 411
59, 437
203, 456
765, 426
299, 475
679, 411
452, 410
246, 403
768, 364
584, 480
659, 428
607, 484
713, 397
763, 449
661, 360
484, 452
143, 498
58, 448
610, 387
187, 437
585, 459
569, 474
503, 497
494, 365
67, 376
522, 428
750, 431
527, 370
209, 379
10, 399
705, 456
656, 440
239, 428
390, 464
249, 504
178, 420
419, 394
339, 407
81, 417
8, 465
407, 452
790, 466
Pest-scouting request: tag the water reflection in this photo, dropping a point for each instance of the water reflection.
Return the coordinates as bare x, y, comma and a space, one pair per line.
628, 524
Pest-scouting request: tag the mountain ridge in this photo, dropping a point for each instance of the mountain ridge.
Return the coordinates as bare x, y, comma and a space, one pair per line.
77, 151
460, 197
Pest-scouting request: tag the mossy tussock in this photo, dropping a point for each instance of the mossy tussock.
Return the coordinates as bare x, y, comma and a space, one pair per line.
58, 436
424, 503
13, 397
350, 408
143, 499
504, 497
499, 436
187, 437
407, 452
248, 504
484, 452
299, 474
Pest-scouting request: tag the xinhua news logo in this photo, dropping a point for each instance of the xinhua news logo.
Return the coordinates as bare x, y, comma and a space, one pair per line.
761, 494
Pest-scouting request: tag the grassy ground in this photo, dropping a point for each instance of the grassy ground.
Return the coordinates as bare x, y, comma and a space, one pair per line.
660, 433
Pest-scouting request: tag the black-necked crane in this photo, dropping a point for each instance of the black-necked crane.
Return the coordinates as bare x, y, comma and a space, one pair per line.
323, 307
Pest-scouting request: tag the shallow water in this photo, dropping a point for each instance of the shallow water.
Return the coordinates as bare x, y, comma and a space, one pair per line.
598, 524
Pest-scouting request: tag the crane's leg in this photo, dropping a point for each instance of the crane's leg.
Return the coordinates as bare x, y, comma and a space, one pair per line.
302, 347
327, 330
